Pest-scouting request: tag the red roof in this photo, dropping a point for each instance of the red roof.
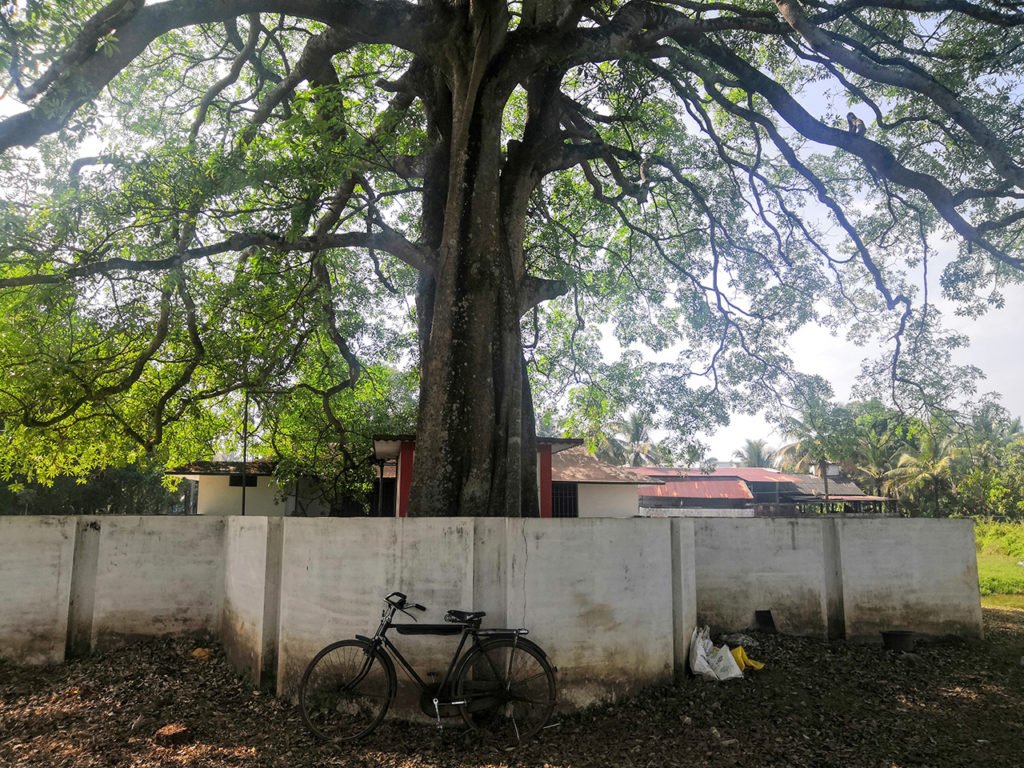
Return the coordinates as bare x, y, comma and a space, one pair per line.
698, 488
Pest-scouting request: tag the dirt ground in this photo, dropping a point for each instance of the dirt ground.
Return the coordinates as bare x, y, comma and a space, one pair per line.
816, 704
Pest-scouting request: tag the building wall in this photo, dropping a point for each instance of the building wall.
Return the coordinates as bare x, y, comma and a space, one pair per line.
218, 497
608, 500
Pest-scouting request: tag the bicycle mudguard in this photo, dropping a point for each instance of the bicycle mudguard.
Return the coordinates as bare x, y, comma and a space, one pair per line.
427, 629
510, 634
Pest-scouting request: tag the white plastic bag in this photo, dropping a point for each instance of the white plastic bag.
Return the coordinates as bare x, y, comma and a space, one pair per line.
709, 662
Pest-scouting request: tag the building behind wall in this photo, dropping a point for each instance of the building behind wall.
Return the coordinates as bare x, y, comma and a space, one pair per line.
752, 491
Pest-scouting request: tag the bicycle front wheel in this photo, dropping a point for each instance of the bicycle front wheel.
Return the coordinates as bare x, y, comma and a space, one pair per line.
346, 690
506, 689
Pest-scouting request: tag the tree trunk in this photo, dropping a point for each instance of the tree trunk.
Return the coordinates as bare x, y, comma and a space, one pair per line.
476, 446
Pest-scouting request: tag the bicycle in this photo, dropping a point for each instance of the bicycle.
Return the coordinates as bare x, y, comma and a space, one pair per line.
501, 685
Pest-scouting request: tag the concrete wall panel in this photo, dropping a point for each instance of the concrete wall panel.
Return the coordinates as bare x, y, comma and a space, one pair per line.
36, 555
245, 573
746, 565
336, 571
156, 576
684, 591
916, 575
597, 596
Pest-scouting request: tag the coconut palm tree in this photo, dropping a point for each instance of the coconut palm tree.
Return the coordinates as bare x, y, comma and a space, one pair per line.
925, 473
873, 458
815, 434
629, 443
755, 453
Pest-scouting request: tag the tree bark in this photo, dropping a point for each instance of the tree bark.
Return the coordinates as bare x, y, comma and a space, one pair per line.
476, 449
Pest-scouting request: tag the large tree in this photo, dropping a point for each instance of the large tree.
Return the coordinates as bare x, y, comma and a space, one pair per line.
220, 195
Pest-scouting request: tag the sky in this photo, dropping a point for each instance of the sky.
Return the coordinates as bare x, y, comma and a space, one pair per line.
996, 348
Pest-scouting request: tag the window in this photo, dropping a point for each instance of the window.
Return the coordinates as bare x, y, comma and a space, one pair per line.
235, 481
565, 500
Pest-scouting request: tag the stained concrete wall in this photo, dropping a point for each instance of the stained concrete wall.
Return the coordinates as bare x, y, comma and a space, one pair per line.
335, 572
909, 574
252, 561
612, 601
746, 565
597, 596
36, 557
157, 575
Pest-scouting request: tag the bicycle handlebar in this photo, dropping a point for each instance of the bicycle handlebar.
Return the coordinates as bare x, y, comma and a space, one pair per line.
400, 601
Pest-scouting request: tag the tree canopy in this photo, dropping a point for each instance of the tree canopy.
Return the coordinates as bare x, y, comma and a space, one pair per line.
306, 202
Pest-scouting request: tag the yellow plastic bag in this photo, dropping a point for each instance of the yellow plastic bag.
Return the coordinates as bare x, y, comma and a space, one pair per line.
744, 661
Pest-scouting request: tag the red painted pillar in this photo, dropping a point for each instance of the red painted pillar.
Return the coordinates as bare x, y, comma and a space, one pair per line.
405, 454
544, 463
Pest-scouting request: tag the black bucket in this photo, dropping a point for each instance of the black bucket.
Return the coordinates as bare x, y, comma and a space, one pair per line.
898, 640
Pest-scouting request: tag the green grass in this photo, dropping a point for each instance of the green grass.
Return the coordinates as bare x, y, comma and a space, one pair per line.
1000, 574
1000, 538
1000, 548
1003, 601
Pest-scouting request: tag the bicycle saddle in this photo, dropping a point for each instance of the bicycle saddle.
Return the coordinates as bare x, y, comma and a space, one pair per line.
464, 617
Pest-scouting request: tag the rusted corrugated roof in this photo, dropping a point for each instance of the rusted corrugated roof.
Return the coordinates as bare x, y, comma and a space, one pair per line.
815, 486
749, 474
699, 488
841, 497
575, 465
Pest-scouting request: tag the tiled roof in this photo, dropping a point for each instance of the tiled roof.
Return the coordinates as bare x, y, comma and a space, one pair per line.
575, 465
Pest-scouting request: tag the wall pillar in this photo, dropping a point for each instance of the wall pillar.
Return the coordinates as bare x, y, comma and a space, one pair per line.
544, 465
404, 479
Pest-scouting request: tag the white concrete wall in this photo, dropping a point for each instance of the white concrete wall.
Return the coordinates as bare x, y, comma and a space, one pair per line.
218, 497
157, 575
612, 601
608, 500
745, 565
917, 575
36, 555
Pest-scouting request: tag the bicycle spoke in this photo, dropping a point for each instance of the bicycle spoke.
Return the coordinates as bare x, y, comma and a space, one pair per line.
345, 691
508, 689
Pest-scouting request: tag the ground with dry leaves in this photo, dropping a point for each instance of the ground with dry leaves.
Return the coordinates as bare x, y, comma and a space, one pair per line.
817, 704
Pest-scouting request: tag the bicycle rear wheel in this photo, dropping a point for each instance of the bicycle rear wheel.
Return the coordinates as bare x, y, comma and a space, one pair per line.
346, 690
507, 689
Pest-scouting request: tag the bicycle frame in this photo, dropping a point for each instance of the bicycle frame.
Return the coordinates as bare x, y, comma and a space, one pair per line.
497, 680
467, 631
